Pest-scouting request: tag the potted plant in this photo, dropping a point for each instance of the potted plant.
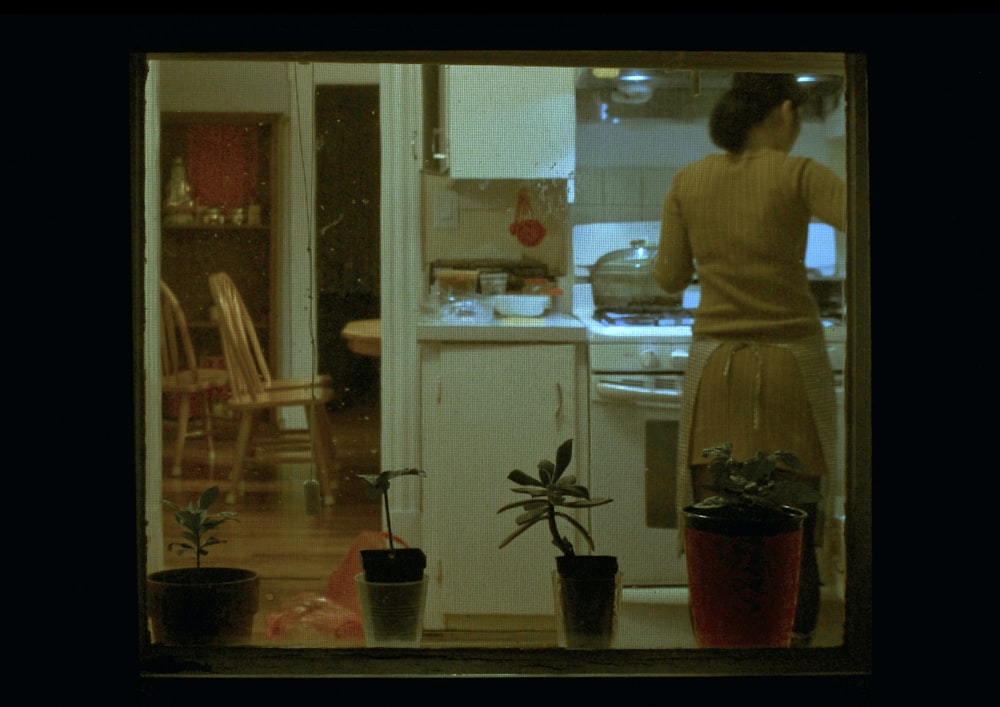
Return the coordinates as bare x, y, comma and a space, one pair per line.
392, 586
587, 588
743, 548
202, 605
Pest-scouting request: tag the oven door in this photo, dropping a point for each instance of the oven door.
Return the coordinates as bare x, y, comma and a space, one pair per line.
634, 422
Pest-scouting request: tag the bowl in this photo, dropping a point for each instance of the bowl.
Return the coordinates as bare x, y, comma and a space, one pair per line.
521, 305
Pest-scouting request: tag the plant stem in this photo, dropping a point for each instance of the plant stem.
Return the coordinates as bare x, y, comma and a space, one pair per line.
567, 548
388, 520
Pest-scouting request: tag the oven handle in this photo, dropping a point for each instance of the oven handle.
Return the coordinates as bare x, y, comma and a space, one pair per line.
615, 392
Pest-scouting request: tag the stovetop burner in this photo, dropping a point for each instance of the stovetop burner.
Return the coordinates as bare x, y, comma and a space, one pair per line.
642, 316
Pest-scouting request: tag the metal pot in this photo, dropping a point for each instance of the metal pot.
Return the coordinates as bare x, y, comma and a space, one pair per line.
623, 279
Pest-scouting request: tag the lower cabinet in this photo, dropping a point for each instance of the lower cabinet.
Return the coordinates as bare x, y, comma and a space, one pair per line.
487, 409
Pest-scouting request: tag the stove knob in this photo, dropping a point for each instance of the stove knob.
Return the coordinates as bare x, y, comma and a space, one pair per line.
648, 359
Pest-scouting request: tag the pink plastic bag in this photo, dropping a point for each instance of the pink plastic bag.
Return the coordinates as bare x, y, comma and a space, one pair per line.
309, 617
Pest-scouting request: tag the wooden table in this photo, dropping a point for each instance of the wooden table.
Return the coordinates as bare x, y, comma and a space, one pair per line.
364, 336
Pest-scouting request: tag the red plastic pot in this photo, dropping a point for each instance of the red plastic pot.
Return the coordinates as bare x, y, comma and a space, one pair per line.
743, 576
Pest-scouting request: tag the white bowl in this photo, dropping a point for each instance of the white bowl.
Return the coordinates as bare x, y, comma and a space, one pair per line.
521, 305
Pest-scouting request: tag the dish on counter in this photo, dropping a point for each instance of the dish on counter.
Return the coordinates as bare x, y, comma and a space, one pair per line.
521, 305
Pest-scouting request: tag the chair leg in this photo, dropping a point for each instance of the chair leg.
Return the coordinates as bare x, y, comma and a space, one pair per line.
182, 432
206, 421
323, 450
242, 444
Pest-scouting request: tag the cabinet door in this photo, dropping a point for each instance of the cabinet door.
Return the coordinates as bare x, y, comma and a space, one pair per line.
489, 409
507, 122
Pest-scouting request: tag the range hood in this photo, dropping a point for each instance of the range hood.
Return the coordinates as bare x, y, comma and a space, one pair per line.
678, 94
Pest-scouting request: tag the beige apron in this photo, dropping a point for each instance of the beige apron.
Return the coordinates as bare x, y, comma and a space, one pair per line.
817, 377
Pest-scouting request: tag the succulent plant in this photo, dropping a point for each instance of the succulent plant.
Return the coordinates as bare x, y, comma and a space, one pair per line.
546, 495
752, 482
198, 522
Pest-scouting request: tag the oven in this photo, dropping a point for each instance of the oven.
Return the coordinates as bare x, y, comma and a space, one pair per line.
635, 411
638, 352
636, 388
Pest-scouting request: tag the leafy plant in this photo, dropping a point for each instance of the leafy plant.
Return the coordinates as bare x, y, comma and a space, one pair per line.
378, 485
753, 482
198, 522
551, 491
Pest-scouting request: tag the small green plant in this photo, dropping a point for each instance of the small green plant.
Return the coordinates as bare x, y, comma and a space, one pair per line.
198, 522
378, 485
753, 482
549, 492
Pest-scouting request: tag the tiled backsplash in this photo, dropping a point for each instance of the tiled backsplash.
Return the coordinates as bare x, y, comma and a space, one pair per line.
612, 194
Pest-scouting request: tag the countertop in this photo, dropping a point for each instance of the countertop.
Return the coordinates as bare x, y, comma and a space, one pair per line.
553, 327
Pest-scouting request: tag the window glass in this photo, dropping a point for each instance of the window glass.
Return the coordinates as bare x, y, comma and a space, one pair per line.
306, 225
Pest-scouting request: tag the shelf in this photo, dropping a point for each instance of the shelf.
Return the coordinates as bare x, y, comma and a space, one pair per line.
215, 227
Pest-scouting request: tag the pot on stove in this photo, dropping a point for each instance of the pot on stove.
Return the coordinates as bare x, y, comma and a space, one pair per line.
623, 279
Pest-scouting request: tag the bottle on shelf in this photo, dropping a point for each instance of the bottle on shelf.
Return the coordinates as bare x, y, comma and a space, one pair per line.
179, 206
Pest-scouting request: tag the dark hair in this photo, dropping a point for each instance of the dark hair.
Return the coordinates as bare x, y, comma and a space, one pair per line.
749, 100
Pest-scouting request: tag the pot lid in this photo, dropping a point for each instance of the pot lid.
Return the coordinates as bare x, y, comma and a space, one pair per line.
637, 257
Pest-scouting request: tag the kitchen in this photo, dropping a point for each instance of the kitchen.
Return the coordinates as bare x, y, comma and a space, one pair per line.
480, 204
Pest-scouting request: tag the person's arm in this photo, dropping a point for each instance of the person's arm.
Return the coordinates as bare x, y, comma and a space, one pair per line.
825, 193
674, 265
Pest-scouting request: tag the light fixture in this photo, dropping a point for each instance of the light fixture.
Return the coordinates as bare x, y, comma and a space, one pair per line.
633, 87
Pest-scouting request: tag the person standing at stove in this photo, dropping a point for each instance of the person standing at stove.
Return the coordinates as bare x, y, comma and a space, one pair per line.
758, 374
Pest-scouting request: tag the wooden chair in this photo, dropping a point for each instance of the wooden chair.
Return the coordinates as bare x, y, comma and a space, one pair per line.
254, 390
183, 377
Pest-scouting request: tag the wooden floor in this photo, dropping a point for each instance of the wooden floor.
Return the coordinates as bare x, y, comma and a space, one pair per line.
295, 552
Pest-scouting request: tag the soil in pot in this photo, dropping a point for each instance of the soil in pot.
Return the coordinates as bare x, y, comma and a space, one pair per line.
202, 606
587, 592
743, 576
394, 565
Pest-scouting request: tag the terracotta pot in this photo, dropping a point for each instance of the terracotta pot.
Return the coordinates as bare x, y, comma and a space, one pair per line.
202, 606
743, 576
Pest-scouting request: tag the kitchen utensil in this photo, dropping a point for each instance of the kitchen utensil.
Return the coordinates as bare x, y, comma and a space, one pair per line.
521, 305
493, 283
528, 231
623, 279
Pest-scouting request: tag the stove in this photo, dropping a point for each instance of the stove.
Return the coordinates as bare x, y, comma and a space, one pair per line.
638, 357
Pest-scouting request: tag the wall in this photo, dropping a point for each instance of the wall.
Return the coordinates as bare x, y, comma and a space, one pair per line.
464, 218
624, 168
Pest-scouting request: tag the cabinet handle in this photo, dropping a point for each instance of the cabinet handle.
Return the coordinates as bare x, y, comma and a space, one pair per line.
413, 147
559, 398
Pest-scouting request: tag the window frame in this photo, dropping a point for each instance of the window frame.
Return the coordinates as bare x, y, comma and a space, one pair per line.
853, 658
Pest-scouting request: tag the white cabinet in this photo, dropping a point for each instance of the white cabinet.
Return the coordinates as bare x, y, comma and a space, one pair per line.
509, 122
488, 408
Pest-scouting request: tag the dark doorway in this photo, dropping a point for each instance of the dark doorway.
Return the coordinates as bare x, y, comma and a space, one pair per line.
348, 160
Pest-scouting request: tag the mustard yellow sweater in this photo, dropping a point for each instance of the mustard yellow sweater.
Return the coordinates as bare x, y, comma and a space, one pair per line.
744, 219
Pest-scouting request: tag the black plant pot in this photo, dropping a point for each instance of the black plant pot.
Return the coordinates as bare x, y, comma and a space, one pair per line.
398, 565
588, 594
202, 606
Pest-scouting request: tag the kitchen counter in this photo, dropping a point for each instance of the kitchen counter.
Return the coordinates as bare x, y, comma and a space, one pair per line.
555, 327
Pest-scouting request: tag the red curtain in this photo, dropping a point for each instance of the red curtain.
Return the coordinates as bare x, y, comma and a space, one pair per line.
222, 164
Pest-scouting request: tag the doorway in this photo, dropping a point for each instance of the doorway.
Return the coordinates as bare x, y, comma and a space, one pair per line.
348, 158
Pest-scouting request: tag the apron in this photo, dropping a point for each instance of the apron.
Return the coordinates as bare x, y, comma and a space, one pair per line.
817, 378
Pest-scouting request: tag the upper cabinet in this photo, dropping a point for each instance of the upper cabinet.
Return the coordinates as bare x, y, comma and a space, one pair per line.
506, 122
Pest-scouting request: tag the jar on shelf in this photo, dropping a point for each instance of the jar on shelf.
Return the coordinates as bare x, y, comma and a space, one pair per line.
179, 206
